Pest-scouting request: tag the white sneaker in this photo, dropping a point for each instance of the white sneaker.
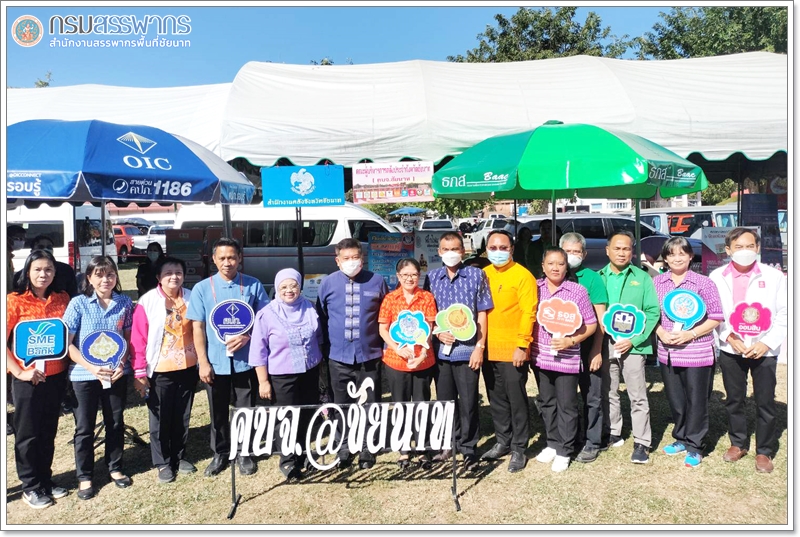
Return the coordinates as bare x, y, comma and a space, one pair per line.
547, 455
560, 463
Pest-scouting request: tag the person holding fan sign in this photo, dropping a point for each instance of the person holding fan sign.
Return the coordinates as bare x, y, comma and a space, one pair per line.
37, 389
404, 321
458, 288
99, 322
222, 310
754, 300
565, 318
631, 317
691, 310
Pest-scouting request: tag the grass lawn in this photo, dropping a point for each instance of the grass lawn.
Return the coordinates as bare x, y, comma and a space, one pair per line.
611, 490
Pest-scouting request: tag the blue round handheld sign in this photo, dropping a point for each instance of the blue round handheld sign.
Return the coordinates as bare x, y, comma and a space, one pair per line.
104, 348
231, 318
40, 340
684, 307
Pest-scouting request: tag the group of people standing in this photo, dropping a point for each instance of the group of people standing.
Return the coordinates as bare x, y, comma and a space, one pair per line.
345, 337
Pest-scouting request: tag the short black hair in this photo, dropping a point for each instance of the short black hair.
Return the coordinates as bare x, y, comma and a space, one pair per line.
676, 242
551, 249
165, 260
348, 244
623, 232
103, 263
500, 232
403, 263
735, 233
227, 241
42, 236
450, 235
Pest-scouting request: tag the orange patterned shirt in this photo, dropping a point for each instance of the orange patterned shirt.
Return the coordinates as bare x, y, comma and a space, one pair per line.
27, 307
392, 305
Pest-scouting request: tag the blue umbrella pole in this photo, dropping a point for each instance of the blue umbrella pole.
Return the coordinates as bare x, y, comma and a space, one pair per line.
103, 228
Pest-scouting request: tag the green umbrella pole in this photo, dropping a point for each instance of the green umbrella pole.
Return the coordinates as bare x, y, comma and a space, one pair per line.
638, 231
553, 221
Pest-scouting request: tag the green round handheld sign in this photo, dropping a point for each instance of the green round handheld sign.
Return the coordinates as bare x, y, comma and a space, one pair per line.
623, 322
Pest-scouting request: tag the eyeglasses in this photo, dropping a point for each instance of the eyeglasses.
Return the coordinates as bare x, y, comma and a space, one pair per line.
408, 277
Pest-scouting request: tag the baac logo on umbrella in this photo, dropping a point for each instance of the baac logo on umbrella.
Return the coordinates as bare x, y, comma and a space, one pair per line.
40, 341
561, 318
231, 318
410, 329
684, 307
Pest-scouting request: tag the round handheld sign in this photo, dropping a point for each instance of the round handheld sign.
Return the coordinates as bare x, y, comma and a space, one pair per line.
684, 307
40, 341
750, 320
410, 328
623, 322
231, 318
458, 320
559, 317
104, 348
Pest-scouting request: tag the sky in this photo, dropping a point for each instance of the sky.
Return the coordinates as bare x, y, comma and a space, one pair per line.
218, 41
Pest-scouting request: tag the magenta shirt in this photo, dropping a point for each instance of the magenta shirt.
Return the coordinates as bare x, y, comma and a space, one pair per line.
740, 280
698, 352
569, 359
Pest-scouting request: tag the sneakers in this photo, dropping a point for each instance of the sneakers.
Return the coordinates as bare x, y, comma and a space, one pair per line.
56, 492
615, 441
186, 467
166, 474
546, 455
693, 459
587, 454
560, 463
640, 455
37, 499
674, 448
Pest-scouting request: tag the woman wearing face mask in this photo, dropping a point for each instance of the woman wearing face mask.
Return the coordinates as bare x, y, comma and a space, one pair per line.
557, 361
746, 280
686, 356
37, 394
409, 369
101, 306
146, 276
286, 351
165, 366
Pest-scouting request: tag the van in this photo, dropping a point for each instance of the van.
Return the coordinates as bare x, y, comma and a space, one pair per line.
66, 226
269, 235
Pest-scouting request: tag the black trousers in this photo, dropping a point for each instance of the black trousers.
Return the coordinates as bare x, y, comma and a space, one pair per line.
508, 402
245, 387
734, 376
410, 386
170, 405
591, 386
36, 412
340, 375
296, 390
455, 381
90, 395
686, 389
559, 393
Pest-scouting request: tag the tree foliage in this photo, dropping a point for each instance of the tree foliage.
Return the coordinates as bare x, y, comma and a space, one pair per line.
535, 34
717, 193
44, 83
692, 32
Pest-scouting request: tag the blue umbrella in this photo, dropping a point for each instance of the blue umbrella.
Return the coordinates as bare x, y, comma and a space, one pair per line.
407, 210
94, 160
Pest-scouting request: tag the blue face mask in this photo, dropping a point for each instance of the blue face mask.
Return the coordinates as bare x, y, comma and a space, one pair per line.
498, 258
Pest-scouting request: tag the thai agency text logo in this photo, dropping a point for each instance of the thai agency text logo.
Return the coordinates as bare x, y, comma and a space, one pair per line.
27, 30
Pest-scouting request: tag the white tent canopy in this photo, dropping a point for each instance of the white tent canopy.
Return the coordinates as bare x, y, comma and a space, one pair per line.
427, 110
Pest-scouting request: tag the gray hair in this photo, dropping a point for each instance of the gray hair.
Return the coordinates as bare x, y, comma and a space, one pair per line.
572, 237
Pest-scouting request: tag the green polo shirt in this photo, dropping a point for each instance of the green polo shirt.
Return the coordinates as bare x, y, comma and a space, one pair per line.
614, 283
593, 284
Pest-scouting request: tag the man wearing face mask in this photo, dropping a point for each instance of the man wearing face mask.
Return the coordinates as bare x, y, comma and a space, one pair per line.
146, 279
460, 361
744, 279
348, 304
65, 279
510, 333
590, 379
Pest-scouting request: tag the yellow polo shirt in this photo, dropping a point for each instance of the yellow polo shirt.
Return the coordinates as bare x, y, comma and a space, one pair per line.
510, 322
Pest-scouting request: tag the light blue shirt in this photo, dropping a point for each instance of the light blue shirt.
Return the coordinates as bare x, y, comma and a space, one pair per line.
205, 298
84, 315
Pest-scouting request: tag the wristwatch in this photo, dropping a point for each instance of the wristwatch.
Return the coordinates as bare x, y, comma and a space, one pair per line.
480, 345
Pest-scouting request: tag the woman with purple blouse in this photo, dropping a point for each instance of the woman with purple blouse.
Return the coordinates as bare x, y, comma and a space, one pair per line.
687, 356
557, 361
285, 350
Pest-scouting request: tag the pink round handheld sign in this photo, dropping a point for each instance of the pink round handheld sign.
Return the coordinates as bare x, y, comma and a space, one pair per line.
560, 318
750, 320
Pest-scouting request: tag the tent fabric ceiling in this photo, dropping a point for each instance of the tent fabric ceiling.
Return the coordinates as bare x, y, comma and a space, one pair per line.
428, 110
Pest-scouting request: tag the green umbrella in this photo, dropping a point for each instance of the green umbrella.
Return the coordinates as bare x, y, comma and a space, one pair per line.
557, 159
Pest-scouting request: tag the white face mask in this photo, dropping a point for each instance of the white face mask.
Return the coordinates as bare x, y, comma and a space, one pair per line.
152, 256
744, 258
351, 268
18, 245
574, 261
451, 259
